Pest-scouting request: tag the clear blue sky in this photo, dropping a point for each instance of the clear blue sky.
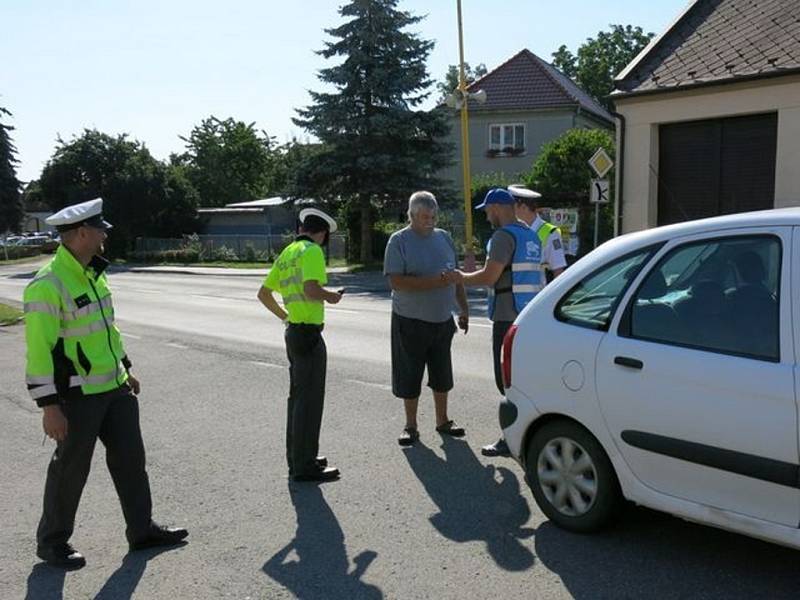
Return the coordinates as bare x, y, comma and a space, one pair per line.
155, 68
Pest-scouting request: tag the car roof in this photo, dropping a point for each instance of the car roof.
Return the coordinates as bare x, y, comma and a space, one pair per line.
763, 218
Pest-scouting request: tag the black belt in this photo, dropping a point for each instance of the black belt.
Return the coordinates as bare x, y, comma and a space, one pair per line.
307, 326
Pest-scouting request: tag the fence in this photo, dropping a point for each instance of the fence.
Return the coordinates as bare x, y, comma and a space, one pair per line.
234, 247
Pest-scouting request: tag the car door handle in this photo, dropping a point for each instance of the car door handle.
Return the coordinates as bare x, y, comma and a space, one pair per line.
625, 361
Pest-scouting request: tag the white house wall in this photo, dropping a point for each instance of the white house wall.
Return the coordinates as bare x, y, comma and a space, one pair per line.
644, 114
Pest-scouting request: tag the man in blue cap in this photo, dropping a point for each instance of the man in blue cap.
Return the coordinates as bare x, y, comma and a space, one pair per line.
512, 272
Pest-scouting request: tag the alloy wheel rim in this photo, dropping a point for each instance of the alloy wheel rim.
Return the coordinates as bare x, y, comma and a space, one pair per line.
567, 477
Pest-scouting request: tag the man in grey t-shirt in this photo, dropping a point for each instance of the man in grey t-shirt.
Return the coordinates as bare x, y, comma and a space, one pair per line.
422, 313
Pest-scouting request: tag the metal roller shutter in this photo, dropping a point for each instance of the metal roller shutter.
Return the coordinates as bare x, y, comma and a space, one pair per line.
716, 167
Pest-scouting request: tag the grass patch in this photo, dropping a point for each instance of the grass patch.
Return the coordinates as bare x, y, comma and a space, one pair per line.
9, 315
216, 263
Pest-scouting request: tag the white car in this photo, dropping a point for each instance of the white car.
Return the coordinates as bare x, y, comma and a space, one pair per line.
662, 368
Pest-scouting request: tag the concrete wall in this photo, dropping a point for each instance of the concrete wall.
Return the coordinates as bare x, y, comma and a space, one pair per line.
540, 128
644, 114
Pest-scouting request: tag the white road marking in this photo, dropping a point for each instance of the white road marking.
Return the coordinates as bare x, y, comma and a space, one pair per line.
266, 364
217, 298
174, 345
343, 310
143, 291
485, 325
130, 335
381, 386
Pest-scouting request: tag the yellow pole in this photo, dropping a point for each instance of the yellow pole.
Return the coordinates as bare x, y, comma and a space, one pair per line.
469, 258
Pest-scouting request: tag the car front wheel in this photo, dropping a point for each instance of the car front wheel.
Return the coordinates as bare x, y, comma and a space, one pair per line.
571, 477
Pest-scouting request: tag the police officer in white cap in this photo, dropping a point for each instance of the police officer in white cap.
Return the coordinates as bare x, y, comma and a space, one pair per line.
79, 374
298, 275
526, 208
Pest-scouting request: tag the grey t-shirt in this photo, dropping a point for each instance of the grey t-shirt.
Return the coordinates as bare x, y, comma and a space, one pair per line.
409, 253
501, 250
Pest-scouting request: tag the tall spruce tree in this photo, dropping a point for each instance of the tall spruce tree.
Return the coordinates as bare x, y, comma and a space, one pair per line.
376, 148
11, 210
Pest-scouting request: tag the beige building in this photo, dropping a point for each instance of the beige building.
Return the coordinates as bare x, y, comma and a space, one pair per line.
710, 115
528, 103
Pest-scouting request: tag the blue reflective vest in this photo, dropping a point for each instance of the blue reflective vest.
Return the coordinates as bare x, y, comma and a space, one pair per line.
527, 277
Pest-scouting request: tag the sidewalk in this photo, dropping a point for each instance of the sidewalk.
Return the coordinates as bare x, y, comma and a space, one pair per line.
192, 270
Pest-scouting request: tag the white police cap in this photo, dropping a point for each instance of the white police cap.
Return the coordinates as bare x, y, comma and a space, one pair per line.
315, 212
520, 191
86, 213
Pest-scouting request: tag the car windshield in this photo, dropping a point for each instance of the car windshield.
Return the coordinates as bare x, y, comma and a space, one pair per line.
591, 303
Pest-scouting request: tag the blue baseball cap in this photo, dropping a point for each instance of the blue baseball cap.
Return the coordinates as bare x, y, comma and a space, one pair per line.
496, 196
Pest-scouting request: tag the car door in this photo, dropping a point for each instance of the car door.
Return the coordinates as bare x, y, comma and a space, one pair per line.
696, 376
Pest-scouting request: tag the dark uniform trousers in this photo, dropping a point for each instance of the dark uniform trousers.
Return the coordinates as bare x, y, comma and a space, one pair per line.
114, 418
308, 359
499, 330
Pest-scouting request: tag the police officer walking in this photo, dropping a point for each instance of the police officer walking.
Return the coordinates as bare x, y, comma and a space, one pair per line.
514, 274
78, 372
298, 276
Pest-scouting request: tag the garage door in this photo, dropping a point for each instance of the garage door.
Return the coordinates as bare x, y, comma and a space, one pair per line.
716, 167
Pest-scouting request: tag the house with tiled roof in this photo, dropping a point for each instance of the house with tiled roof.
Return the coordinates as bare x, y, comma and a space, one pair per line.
710, 115
528, 103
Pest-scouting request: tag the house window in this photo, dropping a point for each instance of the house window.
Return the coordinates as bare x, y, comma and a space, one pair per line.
507, 138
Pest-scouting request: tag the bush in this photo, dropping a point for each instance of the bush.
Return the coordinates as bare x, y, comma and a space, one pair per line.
221, 253
180, 255
19, 252
562, 173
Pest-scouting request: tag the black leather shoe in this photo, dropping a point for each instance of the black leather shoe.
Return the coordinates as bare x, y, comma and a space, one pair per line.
159, 536
321, 461
63, 556
499, 448
324, 474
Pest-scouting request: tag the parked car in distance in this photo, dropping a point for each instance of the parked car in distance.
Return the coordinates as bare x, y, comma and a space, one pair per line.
669, 378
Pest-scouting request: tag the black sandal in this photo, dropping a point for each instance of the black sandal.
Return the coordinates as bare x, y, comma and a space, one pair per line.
450, 428
408, 437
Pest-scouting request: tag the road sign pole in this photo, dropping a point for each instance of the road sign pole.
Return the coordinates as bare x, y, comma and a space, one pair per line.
596, 222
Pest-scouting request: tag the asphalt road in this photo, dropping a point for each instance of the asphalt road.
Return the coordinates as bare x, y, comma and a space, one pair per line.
435, 521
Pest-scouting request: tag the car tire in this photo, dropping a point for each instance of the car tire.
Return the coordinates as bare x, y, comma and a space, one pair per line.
571, 477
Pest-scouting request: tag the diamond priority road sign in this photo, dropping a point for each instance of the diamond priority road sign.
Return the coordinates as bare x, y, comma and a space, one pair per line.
601, 162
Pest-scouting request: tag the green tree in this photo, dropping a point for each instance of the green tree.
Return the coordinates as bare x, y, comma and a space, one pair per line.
142, 196
561, 173
450, 81
292, 166
11, 210
228, 161
376, 148
601, 59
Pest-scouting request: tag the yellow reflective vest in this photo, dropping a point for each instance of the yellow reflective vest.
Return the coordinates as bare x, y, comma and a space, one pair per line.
73, 346
300, 261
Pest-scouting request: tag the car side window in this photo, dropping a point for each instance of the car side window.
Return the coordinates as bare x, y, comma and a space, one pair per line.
593, 301
719, 295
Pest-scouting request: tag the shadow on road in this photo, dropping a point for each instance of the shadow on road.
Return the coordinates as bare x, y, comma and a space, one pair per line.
45, 582
474, 505
123, 582
651, 554
314, 565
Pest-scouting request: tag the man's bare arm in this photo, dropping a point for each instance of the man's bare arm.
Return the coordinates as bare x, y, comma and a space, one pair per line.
268, 299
